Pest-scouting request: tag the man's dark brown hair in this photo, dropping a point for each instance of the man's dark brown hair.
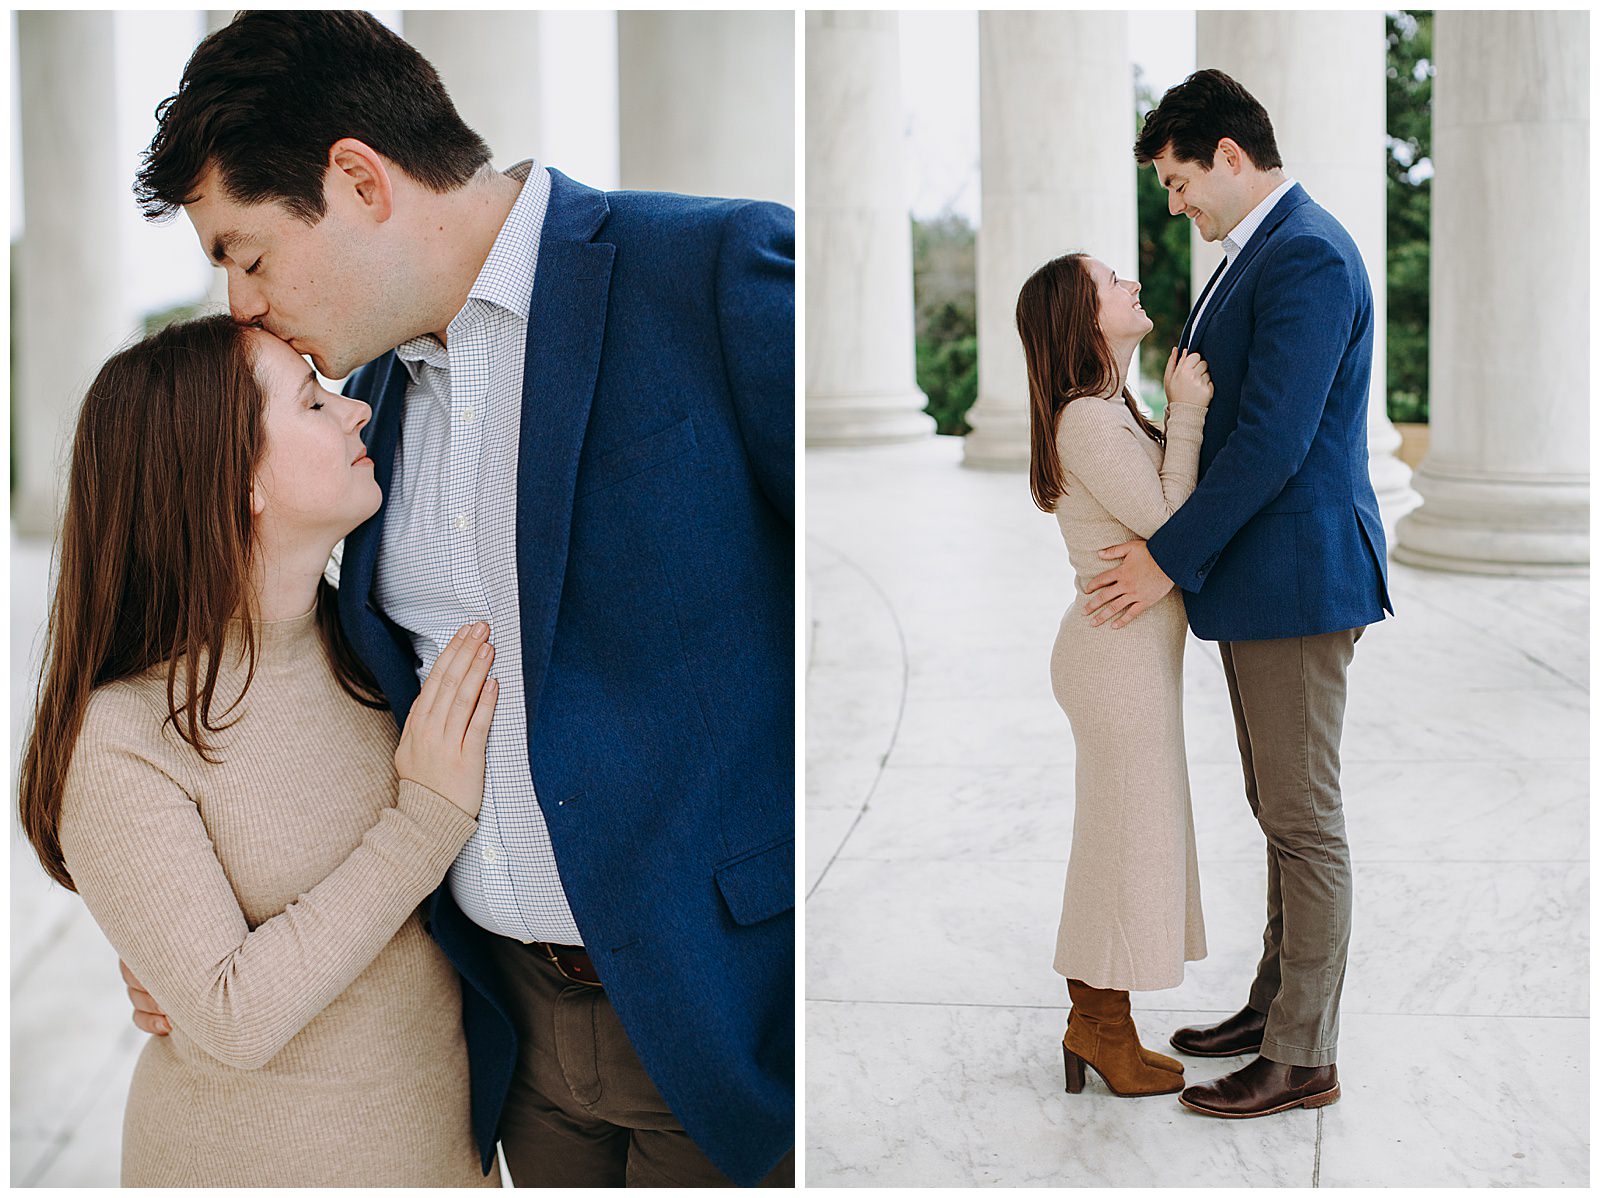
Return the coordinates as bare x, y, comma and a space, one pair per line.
1198, 113
264, 98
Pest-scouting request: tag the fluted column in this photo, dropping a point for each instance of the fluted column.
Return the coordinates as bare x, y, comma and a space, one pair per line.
1505, 483
1320, 76
70, 314
706, 102
1056, 126
861, 385
489, 62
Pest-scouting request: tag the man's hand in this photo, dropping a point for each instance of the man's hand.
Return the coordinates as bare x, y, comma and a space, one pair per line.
147, 1016
1128, 590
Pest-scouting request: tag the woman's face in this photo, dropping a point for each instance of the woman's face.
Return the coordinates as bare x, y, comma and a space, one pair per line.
314, 478
1121, 318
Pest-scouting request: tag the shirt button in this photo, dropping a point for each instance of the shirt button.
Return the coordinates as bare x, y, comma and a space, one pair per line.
469, 415
490, 855
461, 524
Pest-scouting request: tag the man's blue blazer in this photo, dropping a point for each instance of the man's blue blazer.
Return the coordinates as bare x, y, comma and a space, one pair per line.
1282, 536
655, 564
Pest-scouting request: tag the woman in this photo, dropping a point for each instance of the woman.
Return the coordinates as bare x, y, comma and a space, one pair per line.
1131, 913
216, 774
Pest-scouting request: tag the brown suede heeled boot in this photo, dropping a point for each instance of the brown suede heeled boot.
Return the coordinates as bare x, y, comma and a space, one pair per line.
1159, 1059
1100, 1034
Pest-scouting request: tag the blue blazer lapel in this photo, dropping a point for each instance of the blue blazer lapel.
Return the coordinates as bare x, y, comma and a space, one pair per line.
566, 325
1292, 199
1185, 337
368, 634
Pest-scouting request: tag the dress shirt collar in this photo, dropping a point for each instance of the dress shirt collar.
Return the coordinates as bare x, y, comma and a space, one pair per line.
1240, 236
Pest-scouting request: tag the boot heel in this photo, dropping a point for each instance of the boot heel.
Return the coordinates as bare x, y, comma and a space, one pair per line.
1323, 1099
1074, 1067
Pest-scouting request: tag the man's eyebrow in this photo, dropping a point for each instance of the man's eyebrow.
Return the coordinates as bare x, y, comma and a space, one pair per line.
223, 243
1167, 182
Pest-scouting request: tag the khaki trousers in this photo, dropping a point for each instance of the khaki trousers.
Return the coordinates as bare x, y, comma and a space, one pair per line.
581, 1110
1288, 710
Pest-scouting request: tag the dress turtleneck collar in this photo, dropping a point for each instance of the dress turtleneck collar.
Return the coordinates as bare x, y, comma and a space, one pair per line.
281, 638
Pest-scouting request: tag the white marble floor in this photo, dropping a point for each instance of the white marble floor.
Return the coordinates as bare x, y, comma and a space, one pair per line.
72, 1044
938, 815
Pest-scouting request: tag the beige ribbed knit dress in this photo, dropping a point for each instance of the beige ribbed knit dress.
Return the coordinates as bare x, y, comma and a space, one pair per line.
1130, 917
268, 904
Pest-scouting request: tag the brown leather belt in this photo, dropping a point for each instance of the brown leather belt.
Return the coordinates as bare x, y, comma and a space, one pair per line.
571, 961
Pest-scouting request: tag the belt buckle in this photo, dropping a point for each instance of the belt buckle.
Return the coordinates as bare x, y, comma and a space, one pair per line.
562, 969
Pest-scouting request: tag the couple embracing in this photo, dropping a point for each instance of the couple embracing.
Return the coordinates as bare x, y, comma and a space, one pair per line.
492, 842
1254, 502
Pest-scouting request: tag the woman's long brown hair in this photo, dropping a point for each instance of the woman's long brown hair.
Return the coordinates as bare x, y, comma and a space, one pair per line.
1068, 358
155, 551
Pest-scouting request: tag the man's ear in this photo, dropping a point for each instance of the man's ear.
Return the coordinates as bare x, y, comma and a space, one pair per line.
359, 173
1230, 154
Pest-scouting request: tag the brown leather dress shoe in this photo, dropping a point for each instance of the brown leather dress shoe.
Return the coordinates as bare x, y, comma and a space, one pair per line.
1264, 1087
1236, 1034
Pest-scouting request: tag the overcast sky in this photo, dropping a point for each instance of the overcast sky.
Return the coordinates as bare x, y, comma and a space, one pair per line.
939, 82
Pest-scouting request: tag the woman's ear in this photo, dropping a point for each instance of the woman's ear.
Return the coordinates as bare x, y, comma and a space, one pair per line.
258, 500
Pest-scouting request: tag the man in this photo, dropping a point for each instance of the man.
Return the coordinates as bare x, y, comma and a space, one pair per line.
584, 438
1280, 555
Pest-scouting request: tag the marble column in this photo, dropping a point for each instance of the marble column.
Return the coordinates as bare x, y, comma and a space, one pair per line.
861, 385
69, 314
1505, 483
489, 64
706, 102
1056, 132
1293, 62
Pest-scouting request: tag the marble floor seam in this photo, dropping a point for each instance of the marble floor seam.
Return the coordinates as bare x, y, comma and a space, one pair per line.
1018, 1006
975, 860
894, 733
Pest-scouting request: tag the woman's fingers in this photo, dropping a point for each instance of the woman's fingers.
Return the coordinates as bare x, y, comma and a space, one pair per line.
466, 697
142, 1001
428, 694
155, 1025
147, 1013
460, 662
453, 669
482, 716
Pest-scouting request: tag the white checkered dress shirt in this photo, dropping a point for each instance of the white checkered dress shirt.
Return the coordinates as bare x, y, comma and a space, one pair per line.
449, 557
1239, 237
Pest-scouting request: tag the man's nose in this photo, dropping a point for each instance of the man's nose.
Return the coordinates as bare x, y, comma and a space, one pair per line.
1174, 204
245, 300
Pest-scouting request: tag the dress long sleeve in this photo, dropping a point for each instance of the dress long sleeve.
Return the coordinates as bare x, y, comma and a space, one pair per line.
1100, 449
139, 852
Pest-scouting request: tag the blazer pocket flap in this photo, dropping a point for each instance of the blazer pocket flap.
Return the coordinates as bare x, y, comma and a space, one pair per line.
759, 885
618, 465
1296, 497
